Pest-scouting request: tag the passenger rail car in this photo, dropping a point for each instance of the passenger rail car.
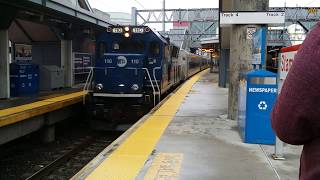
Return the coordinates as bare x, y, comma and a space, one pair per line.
135, 66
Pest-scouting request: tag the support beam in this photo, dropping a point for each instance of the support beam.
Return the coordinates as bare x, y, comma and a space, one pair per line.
134, 16
164, 16
23, 30
67, 62
4, 65
241, 51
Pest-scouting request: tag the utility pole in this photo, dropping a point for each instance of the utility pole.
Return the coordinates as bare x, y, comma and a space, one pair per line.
164, 16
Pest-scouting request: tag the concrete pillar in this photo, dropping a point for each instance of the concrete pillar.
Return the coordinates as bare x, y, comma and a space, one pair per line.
67, 62
4, 65
48, 134
241, 51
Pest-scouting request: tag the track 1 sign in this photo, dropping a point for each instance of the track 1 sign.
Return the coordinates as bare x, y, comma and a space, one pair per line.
267, 17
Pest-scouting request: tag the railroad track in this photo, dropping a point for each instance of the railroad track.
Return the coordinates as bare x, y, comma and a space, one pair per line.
73, 158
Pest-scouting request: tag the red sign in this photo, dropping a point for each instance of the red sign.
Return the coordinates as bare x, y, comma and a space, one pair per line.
180, 24
287, 58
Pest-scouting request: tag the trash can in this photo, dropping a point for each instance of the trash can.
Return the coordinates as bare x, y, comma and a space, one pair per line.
257, 96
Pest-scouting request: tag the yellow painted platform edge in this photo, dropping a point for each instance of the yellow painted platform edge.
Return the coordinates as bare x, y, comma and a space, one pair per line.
19, 113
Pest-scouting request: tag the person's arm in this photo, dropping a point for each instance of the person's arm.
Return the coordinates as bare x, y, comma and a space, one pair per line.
296, 114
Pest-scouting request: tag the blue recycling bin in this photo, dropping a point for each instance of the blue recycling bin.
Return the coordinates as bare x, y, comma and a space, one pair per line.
257, 96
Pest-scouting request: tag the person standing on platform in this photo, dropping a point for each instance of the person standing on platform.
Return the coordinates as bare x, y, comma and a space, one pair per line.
296, 114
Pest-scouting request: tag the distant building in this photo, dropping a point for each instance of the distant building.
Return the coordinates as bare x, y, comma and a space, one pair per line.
120, 18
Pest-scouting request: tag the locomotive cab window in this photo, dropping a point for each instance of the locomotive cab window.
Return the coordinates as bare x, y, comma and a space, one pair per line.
128, 46
102, 49
115, 46
154, 50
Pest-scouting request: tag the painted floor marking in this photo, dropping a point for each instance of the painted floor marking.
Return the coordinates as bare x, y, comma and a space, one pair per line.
165, 166
5, 113
126, 161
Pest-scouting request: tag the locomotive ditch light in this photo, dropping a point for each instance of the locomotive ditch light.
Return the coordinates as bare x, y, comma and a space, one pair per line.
126, 34
126, 28
109, 29
99, 87
135, 87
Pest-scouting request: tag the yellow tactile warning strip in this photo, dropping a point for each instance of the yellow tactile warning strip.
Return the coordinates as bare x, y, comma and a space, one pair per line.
165, 166
127, 160
19, 113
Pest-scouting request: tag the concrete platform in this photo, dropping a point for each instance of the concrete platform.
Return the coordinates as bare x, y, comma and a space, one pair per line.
42, 95
211, 144
41, 113
198, 143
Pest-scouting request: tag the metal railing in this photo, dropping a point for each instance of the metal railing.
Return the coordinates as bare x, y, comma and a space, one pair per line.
152, 85
87, 84
155, 79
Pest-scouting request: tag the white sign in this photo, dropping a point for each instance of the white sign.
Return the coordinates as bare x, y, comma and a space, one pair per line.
286, 63
122, 61
250, 32
263, 90
268, 17
256, 58
262, 105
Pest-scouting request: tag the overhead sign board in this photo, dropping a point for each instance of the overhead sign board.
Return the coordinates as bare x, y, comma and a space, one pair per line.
268, 17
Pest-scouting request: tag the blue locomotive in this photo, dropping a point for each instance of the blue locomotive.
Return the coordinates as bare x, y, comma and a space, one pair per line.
134, 67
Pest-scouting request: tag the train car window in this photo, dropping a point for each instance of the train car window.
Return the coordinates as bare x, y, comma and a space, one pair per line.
154, 49
102, 49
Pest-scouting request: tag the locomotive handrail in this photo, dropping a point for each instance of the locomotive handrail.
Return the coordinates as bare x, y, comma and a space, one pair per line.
154, 77
86, 85
154, 91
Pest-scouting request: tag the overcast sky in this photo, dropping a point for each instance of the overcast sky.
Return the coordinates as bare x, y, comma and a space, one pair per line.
125, 5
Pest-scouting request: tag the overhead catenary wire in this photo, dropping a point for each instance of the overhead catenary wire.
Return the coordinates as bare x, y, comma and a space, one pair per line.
139, 4
310, 3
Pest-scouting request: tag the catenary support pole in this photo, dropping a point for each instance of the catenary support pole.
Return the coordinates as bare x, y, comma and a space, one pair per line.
164, 16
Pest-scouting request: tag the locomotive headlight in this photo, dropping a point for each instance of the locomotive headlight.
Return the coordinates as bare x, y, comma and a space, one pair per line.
126, 34
126, 28
99, 87
135, 87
